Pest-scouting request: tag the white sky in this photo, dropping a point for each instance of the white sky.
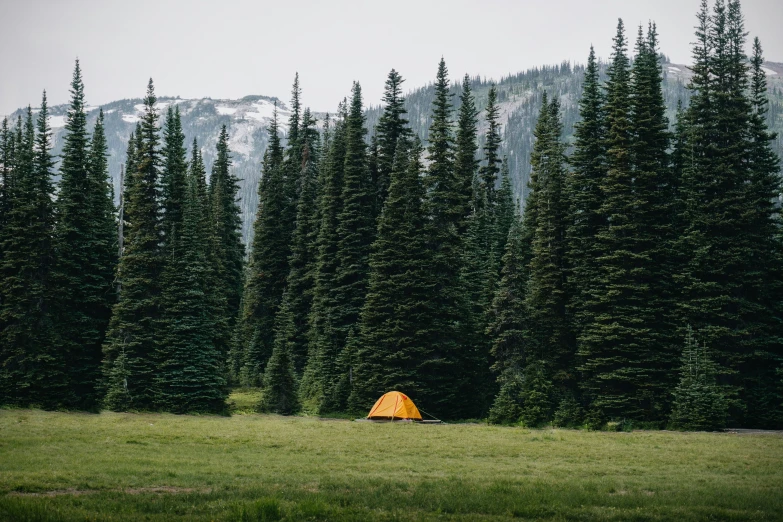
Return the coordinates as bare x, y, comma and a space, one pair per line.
232, 48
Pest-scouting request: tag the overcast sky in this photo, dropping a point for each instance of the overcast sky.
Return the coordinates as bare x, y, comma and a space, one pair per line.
231, 48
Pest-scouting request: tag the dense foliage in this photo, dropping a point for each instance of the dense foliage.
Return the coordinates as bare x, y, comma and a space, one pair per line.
380, 262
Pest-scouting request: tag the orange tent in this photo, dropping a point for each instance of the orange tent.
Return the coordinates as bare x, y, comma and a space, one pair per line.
394, 405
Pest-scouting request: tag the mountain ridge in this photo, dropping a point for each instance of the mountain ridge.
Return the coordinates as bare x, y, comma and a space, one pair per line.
248, 118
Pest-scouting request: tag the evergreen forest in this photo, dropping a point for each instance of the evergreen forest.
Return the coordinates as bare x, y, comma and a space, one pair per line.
638, 281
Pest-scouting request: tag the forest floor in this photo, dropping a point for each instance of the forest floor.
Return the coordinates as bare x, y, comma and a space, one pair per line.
247, 467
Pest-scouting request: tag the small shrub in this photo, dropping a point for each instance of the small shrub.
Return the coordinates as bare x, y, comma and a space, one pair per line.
537, 393
699, 403
569, 413
507, 408
594, 420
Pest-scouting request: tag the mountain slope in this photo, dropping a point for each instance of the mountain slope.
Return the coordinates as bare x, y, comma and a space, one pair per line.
247, 120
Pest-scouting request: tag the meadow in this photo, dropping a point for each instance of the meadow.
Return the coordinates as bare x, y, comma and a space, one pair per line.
247, 467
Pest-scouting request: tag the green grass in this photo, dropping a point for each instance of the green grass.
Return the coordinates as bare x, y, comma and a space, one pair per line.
128, 467
244, 400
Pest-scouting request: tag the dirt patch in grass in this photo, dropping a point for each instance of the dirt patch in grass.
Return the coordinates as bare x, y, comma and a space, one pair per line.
170, 490
53, 493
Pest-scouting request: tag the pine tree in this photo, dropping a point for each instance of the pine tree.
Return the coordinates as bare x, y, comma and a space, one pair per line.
173, 177
549, 354
293, 156
588, 162
466, 163
10, 180
6, 173
392, 126
678, 160
619, 352
292, 167
227, 225
213, 293
442, 373
699, 403
131, 342
488, 173
267, 268
655, 210
372, 166
731, 251
33, 368
504, 214
356, 230
478, 232
537, 392
478, 278
506, 329
321, 353
485, 242
85, 236
100, 278
298, 297
762, 394
6, 161
396, 318
279, 392
189, 377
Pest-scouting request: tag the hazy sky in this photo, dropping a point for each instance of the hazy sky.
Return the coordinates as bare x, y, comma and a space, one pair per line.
232, 48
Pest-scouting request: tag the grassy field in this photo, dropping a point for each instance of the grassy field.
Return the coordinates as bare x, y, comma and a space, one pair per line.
69, 466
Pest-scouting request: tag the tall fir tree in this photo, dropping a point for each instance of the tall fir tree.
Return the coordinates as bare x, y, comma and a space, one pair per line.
396, 319
443, 373
10, 179
655, 211
477, 230
33, 369
504, 214
293, 327
322, 339
489, 172
549, 354
292, 165
85, 235
355, 230
506, 329
466, 161
728, 257
763, 397
190, 375
6, 173
280, 387
173, 177
267, 268
392, 126
583, 190
130, 365
227, 225
617, 351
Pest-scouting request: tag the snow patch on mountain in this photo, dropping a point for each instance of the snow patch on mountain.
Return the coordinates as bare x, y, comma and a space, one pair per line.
223, 111
241, 139
56, 122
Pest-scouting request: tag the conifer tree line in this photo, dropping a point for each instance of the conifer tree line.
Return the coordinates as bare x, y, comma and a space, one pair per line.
641, 285
134, 314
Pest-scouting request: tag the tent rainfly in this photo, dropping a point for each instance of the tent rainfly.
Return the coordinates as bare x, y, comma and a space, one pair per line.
394, 406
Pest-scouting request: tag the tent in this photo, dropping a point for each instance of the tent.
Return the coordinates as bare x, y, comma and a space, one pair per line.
393, 406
